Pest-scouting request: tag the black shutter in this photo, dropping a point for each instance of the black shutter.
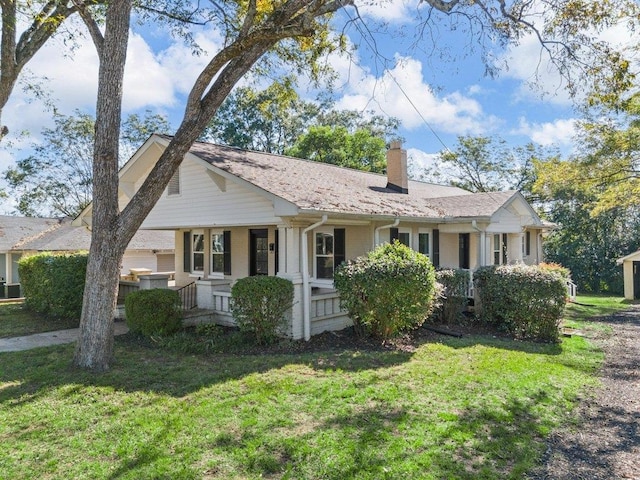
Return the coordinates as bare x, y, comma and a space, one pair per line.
436, 248
393, 235
339, 246
226, 240
186, 261
527, 241
505, 248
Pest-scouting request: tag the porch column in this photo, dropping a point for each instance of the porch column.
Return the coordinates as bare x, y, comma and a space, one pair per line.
515, 248
488, 250
289, 258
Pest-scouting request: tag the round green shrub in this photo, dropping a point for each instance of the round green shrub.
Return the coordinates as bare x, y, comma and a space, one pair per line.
389, 290
259, 305
153, 312
525, 301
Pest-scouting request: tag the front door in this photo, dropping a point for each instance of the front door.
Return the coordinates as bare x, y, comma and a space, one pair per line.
636, 280
258, 251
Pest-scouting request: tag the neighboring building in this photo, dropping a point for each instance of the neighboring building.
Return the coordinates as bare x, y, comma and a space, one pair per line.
237, 213
631, 275
149, 250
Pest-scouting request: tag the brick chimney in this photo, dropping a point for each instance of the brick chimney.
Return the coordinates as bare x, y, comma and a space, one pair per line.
397, 178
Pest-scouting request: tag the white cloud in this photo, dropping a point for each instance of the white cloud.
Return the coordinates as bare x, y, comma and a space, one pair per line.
402, 92
388, 10
559, 132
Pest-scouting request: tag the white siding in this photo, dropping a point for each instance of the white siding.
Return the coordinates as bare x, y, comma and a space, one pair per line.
139, 260
449, 250
202, 203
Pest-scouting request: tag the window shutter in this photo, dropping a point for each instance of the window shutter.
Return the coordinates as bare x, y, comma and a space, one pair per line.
186, 262
527, 241
226, 238
339, 246
436, 248
393, 235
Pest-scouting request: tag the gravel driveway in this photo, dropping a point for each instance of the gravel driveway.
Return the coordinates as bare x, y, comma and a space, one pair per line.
606, 444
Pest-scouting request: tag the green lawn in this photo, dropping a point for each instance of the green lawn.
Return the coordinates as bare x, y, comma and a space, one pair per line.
476, 407
589, 309
15, 321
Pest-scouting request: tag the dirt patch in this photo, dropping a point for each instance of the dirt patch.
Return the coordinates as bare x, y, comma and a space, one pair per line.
605, 444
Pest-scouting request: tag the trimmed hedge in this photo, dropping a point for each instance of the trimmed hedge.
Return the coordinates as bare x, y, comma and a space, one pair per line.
153, 312
53, 284
526, 301
453, 294
389, 290
259, 305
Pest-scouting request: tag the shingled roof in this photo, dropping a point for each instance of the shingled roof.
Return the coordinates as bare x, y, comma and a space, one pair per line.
58, 235
316, 186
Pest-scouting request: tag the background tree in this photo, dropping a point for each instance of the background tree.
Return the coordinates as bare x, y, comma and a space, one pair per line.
57, 179
266, 120
488, 164
588, 244
277, 120
593, 196
361, 149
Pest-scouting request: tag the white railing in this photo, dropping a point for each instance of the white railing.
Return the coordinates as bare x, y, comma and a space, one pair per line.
470, 289
325, 305
222, 302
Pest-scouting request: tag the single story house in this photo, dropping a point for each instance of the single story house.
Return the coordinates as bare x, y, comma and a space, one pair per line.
148, 250
631, 275
237, 213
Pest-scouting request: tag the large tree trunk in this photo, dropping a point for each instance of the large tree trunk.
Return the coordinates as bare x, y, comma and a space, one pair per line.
95, 345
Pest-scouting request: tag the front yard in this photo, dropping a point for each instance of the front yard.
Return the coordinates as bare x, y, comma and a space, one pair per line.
476, 407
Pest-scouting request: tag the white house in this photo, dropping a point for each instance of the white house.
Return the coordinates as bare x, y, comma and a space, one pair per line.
237, 213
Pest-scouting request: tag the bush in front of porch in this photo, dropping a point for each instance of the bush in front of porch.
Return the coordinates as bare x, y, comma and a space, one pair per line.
525, 301
259, 305
389, 290
157, 311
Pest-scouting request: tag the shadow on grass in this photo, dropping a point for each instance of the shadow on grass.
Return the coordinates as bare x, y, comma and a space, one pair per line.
389, 441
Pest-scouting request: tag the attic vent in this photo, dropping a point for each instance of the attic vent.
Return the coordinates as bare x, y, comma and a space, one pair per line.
174, 184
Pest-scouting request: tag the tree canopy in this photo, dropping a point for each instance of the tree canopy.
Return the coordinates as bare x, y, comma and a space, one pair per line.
57, 178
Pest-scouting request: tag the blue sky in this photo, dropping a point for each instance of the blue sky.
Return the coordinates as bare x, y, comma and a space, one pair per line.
448, 87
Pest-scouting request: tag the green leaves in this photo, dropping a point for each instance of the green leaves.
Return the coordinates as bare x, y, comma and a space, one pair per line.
389, 290
259, 305
526, 301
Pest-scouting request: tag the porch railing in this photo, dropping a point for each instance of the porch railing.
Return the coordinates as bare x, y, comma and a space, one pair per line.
188, 296
125, 287
222, 302
325, 305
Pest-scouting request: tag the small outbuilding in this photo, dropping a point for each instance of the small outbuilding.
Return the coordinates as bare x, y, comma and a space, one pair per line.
631, 274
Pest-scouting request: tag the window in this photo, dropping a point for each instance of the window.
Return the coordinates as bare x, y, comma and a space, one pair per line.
403, 235
221, 252
424, 244
174, 184
197, 252
217, 252
500, 249
329, 252
324, 255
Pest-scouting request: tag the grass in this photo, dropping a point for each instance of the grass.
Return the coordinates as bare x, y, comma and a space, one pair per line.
589, 309
16, 320
472, 408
